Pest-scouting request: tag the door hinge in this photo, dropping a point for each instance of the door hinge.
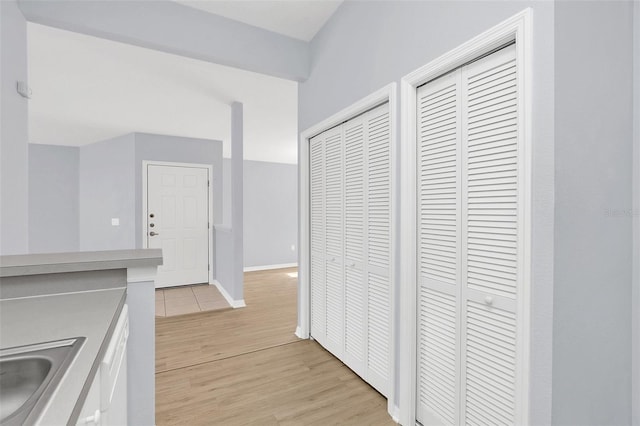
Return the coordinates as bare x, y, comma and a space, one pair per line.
208, 183
208, 267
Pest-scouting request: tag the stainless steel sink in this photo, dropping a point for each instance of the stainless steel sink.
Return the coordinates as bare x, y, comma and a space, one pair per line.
29, 375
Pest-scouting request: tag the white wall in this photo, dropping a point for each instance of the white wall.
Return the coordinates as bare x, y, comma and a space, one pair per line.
14, 187
367, 45
53, 198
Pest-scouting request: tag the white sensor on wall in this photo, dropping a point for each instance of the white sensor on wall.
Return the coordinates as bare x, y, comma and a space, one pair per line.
115, 221
24, 90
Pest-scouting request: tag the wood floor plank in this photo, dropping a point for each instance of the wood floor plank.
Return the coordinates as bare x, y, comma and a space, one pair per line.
229, 369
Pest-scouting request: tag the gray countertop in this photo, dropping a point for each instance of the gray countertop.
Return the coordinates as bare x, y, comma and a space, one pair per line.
92, 314
49, 263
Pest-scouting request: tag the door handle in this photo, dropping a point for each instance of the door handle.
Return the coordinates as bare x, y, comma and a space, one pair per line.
153, 234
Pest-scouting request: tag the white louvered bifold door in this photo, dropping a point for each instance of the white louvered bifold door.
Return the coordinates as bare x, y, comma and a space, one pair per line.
491, 226
350, 185
378, 243
439, 162
317, 233
468, 232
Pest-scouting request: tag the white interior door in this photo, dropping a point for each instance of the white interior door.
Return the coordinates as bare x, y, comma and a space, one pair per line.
177, 221
469, 233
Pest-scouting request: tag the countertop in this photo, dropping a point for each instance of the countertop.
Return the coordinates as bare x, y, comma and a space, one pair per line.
92, 314
49, 263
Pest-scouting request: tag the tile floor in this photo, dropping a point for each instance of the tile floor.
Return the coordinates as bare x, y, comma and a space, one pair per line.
188, 299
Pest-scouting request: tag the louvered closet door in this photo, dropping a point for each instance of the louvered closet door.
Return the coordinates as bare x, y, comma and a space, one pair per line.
318, 247
350, 184
355, 348
491, 226
334, 237
468, 228
439, 163
378, 247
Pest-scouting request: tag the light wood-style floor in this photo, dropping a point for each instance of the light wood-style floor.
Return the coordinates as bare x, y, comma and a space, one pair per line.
246, 367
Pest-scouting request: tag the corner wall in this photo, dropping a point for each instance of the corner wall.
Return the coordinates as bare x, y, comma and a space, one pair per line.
14, 178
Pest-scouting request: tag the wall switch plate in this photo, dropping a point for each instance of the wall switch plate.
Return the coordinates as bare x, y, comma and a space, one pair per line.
115, 221
293, 247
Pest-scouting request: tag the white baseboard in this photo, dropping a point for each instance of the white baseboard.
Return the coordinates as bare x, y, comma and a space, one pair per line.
232, 302
299, 333
395, 414
267, 267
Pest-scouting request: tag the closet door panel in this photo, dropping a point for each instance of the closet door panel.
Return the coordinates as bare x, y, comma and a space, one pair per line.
438, 130
491, 268
355, 244
318, 249
334, 234
378, 243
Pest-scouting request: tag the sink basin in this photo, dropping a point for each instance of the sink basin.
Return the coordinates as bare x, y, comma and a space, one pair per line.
29, 375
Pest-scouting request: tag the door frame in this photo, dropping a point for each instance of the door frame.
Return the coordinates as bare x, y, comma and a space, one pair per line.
386, 94
517, 28
209, 167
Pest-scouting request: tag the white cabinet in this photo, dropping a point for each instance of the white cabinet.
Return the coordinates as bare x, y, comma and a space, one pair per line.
350, 196
106, 402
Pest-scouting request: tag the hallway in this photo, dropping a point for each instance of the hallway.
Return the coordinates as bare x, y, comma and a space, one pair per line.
246, 367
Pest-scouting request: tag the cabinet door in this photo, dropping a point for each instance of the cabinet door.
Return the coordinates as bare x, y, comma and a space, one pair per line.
491, 271
90, 415
438, 165
378, 244
318, 248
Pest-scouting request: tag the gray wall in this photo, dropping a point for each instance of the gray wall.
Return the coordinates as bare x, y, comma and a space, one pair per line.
367, 45
635, 403
111, 184
53, 198
592, 310
177, 29
107, 179
270, 213
14, 177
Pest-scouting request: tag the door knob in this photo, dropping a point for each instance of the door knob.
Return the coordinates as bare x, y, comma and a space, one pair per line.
153, 234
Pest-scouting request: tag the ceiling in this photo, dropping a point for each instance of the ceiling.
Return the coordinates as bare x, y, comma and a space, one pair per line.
300, 19
88, 89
